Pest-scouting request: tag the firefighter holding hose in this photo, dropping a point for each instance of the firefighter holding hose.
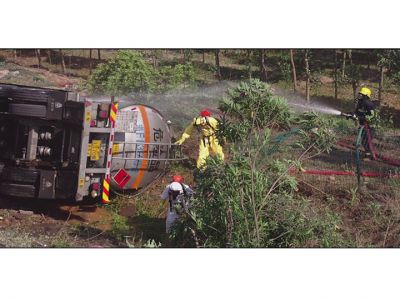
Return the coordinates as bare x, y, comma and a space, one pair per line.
365, 114
207, 127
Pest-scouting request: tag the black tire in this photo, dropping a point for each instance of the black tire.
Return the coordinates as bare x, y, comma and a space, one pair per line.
20, 175
28, 110
17, 190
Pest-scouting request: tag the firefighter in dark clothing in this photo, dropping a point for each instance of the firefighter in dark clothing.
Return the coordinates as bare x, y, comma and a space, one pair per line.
365, 112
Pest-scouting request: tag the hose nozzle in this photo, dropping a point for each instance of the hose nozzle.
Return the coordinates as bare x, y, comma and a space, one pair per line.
348, 115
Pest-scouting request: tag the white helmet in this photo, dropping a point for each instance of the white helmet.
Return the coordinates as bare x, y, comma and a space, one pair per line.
176, 187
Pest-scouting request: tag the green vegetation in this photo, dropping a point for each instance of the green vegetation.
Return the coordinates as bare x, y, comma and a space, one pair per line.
250, 107
254, 199
127, 72
316, 133
252, 202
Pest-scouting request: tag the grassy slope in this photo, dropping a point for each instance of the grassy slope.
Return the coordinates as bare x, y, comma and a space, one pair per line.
367, 219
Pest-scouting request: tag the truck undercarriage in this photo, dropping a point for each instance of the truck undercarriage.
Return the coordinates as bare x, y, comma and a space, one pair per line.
40, 136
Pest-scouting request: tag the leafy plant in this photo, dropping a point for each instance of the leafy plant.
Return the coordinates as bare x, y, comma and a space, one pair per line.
354, 196
120, 227
316, 133
138, 243
125, 73
38, 78
174, 77
238, 206
252, 202
250, 107
285, 67
182, 74
390, 59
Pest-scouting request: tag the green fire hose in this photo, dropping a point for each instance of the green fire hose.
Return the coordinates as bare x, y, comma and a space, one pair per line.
358, 154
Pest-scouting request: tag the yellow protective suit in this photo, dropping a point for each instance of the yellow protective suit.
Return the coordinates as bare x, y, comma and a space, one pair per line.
207, 127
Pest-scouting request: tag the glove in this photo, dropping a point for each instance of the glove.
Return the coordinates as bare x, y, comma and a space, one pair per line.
180, 142
182, 139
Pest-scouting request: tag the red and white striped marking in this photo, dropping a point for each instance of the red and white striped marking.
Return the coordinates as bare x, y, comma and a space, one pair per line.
106, 182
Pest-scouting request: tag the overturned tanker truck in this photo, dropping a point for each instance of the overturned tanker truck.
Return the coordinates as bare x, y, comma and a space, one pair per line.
56, 144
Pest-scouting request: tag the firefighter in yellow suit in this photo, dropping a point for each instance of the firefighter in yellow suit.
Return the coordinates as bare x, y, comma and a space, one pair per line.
207, 126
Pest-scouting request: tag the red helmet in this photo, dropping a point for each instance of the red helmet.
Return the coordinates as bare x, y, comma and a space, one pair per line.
177, 178
205, 113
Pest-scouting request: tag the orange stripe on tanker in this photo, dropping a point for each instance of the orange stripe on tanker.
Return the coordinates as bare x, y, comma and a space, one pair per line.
143, 165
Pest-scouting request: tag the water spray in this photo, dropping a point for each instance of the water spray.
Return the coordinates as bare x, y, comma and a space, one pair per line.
317, 108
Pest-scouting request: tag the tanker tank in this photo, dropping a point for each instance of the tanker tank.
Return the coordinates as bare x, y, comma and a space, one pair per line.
142, 147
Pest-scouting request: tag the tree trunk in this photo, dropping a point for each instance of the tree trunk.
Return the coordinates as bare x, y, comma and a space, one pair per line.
354, 82
350, 56
203, 56
307, 65
354, 86
218, 68
49, 56
183, 55
344, 64
154, 59
90, 61
335, 76
99, 54
62, 61
263, 67
249, 63
15, 55
37, 52
293, 71
380, 90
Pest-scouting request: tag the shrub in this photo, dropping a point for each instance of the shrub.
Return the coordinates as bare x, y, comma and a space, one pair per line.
182, 74
239, 206
177, 76
251, 201
125, 73
316, 133
250, 107
285, 68
120, 227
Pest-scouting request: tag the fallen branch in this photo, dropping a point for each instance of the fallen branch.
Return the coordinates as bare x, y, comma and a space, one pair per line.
315, 188
386, 234
196, 240
97, 235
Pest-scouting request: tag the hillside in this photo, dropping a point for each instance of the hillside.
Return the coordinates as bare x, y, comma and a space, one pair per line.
366, 218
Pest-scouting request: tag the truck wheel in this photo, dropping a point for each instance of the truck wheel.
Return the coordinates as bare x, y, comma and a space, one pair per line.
20, 175
17, 190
